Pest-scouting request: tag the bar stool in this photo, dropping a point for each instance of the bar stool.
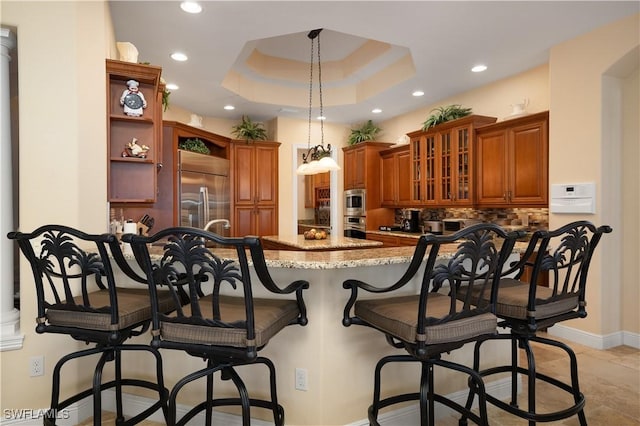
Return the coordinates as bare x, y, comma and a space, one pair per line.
222, 322
524, 307
78, 296
434, 322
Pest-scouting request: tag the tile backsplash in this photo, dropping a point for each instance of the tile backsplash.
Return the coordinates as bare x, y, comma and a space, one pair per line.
538, 218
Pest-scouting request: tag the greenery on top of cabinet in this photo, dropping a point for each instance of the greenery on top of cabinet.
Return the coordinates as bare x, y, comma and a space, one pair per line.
249, 130
366, 132
443, 114
194, 145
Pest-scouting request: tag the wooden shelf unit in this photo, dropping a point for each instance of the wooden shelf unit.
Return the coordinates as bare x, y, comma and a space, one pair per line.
132, 180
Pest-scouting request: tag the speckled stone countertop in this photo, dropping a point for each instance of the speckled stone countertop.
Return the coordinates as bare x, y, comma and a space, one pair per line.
331, 242
415, 235
336, 259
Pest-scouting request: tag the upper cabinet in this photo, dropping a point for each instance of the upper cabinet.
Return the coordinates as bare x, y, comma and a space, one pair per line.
442, 163
513, 162
134, 126
312, 185
254, 176
395, 177
362, 170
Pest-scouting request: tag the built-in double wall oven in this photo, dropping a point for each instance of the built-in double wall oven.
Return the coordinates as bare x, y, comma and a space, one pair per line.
355, 227
354, 213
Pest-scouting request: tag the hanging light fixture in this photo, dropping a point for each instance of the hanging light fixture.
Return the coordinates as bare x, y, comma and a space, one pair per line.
318, 158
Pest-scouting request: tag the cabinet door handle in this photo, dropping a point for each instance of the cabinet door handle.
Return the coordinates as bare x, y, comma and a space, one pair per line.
504, 196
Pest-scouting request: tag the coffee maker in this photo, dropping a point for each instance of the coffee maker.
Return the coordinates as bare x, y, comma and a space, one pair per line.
411, 220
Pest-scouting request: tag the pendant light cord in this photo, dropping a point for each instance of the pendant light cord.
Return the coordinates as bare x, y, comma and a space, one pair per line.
310, 91
320, 91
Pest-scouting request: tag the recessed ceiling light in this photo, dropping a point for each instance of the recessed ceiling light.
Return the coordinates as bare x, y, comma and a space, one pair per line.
376, 110
172, 86
418, 93
479, 68
190, 7
177, 56
229, 107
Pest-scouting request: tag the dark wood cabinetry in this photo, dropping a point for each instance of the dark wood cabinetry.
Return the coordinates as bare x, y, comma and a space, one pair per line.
254, 177
362, 166
312, 185
513, 162
132, 179
442, 163
395, 177
392, 240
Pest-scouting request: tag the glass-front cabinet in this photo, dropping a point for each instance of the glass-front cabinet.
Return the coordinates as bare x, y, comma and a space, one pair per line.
442, 162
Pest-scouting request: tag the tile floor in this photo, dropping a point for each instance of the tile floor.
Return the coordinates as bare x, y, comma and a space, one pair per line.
610, 380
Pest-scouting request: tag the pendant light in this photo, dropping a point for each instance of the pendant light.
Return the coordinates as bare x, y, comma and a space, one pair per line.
318, 158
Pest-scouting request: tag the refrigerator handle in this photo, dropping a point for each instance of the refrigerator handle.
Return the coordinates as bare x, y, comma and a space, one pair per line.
205, 205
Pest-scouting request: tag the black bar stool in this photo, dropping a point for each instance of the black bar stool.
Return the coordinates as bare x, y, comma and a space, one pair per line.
524, 307
434, 322
221, 322
78, 296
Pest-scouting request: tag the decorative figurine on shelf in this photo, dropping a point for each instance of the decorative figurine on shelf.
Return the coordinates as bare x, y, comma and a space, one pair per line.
133, 100
134, 150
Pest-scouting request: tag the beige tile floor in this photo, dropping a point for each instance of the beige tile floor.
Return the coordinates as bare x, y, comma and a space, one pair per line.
610, 380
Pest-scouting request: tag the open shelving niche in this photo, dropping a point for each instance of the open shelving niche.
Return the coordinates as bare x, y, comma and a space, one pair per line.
132, 179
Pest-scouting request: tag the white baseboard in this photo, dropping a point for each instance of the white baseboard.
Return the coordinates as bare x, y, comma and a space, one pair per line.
596, 341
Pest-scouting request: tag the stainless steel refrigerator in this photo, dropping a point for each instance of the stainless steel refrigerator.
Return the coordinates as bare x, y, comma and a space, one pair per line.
203, 191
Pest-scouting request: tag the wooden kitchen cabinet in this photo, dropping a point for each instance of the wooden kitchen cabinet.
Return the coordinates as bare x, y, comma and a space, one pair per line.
254, 176
395, 177
132, 179
311, 185
392, 240
513, 162
362, 167
442, 163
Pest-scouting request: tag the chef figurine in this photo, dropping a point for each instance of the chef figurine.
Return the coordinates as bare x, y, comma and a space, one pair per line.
133, 100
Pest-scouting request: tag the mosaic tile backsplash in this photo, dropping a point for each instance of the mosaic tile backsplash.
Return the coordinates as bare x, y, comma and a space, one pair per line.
538, 218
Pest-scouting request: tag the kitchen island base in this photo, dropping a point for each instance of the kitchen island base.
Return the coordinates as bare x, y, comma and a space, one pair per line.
339, 361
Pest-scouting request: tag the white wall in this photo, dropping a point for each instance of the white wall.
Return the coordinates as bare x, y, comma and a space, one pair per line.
630, 202
586, 137
62, 107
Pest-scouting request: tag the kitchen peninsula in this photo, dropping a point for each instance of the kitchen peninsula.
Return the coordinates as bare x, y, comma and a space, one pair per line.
339, 361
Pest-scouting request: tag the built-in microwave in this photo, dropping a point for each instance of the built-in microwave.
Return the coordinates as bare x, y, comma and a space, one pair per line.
354, 202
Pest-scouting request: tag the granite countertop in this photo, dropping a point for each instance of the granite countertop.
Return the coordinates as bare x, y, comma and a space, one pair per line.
335, 259
415, 235
336, 242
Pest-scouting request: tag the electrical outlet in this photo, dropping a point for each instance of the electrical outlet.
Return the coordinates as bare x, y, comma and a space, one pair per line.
36, 366
301, 379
